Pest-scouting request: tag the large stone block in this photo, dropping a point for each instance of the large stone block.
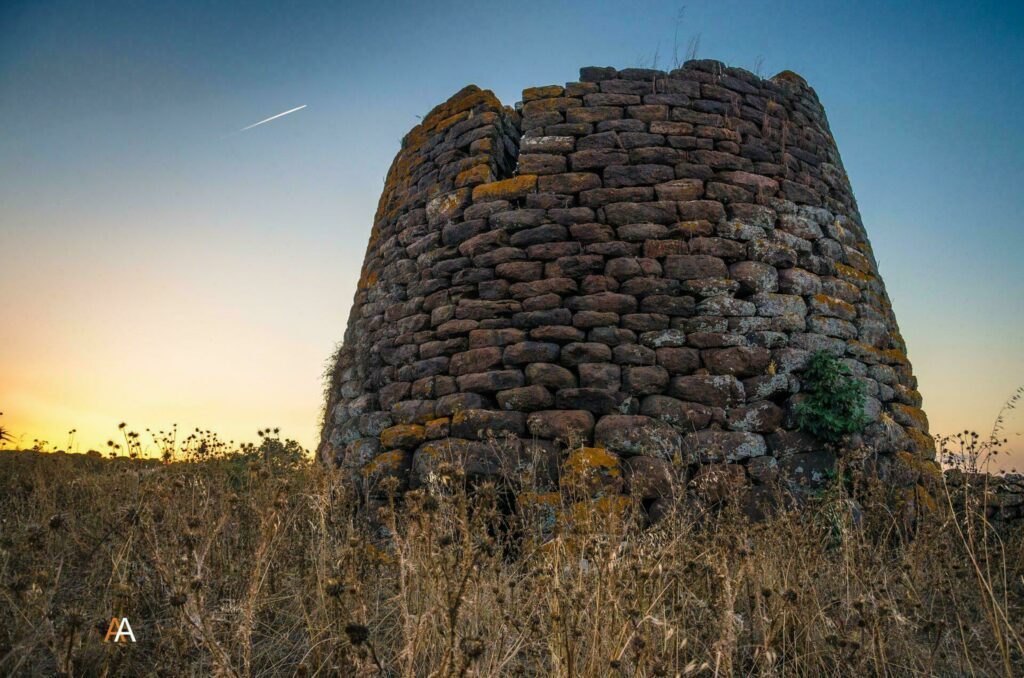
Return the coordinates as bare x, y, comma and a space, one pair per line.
633, 435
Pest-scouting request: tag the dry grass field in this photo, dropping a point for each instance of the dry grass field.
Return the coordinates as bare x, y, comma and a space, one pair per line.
253, 562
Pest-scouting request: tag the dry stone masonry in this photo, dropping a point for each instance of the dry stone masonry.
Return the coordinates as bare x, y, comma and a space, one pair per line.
1001, 497
627, 274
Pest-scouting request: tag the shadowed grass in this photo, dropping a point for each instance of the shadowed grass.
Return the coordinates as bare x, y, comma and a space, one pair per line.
255, 564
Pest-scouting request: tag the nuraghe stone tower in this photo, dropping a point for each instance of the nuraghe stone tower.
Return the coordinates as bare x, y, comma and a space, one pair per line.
626, 273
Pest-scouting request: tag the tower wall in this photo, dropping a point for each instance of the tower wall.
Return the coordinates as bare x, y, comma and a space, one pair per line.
638, 264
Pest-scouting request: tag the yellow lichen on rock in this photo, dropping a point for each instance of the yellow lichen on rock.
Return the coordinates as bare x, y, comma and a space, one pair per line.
835, 307
437, 428
603, 509
588, 469
404, 436
478, 174
852, 274
385, 462
542, 92
907, 415
586, 459
924, 444
507, 189
790, 76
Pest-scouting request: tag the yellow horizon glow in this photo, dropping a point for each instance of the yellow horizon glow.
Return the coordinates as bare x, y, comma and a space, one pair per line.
44, 399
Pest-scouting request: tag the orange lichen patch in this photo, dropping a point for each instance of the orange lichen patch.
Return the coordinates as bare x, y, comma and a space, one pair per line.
413, 139
445, 447
910, 416
927, 471
587, 459
465, 99
457, 108
479, 174
864, 352
545, 92
790, 76
437, 428
405, 436
858, 260
449, 121
868, 353
852, 274
835, 307
876, 300
460, 417
603, 509
484, 96
485, 145
436, 449
368, 279
548, 105
915, 501
923, 443
925, 499
589, 470
485, 118
453, 450
386, 462
893, 356
509, 189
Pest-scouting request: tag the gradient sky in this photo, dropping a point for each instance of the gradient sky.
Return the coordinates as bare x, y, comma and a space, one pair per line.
159, 268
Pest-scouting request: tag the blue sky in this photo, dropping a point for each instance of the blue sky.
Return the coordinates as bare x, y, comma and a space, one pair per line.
159, 267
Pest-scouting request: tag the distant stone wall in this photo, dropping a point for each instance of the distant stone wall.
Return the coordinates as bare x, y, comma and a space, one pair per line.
627, 272
1001, 496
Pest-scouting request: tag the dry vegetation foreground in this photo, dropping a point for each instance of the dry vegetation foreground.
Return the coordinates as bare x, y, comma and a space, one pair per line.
239, 566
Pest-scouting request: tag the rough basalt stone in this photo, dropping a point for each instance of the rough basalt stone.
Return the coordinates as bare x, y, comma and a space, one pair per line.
649, 477
633, 435
640, 261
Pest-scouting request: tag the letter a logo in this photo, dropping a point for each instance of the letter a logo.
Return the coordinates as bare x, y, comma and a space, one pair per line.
119, 628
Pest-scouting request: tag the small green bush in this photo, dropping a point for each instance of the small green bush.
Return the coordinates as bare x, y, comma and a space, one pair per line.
833, 406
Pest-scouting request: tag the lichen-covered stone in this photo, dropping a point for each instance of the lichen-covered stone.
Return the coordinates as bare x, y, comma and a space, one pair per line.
403, 436
590, 469
478, 424
632, 435
565, 426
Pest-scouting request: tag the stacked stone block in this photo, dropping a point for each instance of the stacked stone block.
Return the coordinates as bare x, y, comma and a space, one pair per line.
634, 267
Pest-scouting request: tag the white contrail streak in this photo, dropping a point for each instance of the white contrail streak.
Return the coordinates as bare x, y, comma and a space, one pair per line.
273, 117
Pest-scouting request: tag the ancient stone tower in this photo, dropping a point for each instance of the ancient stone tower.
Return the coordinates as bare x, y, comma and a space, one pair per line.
638, 264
